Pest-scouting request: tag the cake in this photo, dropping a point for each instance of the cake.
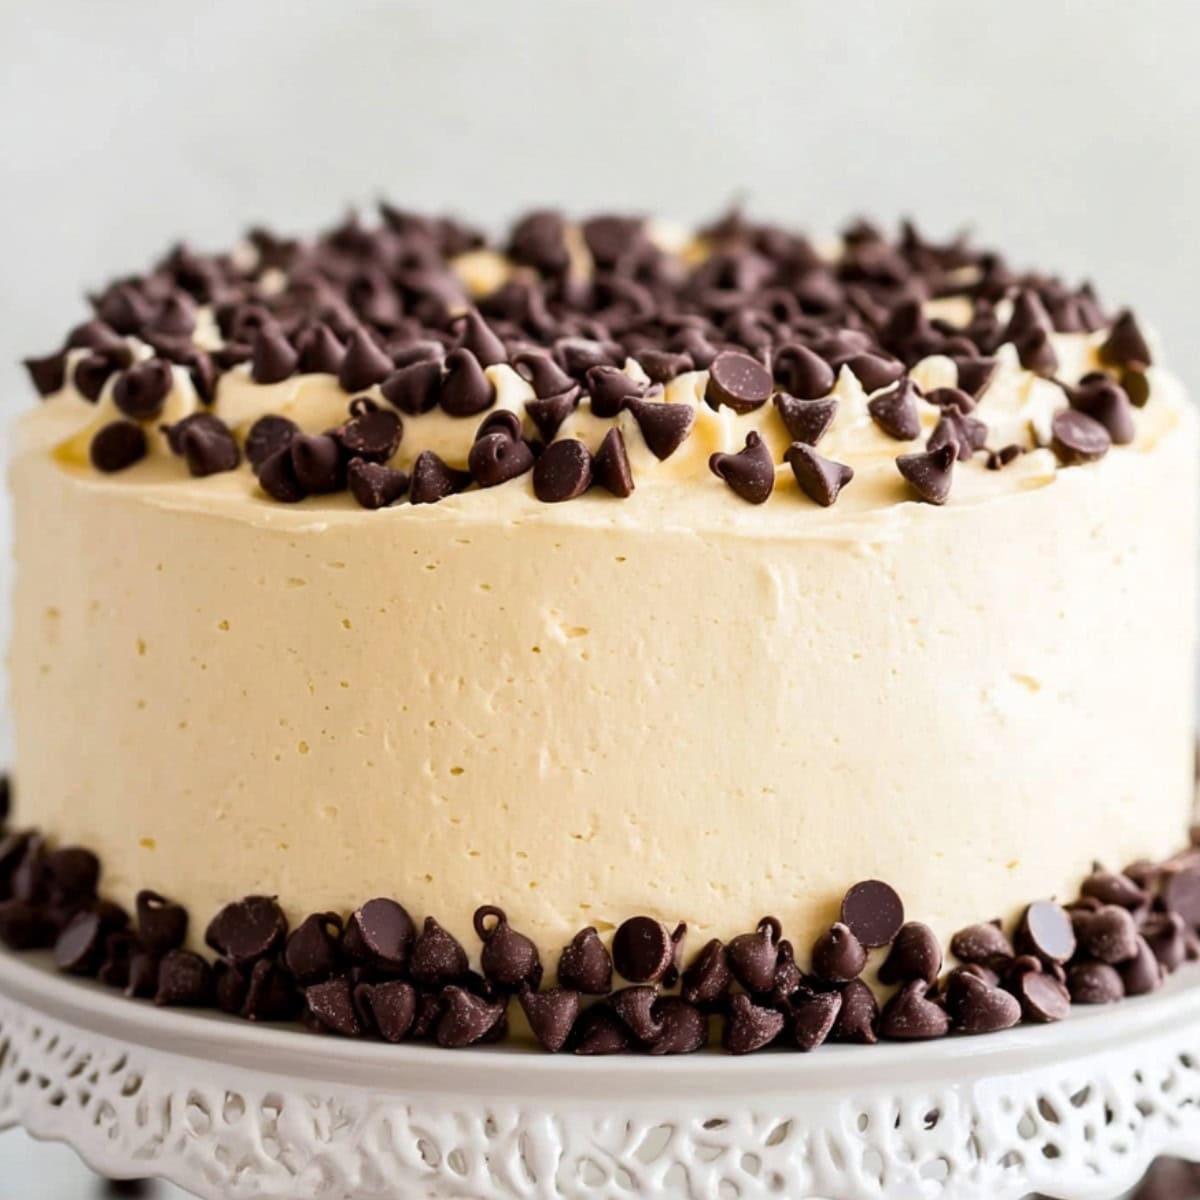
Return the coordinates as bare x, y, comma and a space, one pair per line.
712, 601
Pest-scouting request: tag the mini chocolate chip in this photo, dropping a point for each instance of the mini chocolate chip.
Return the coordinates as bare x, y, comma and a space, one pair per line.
277, 477
598, 1031
1110, 888
610, 468
661, 366
363, 364
549, 413
466, 1019
374, 485
25, 925
1106, 401
465, 389
636, 1008
373, 434
414, 388
312, 952
1125, 343
975, 1006
332, 1005
437, 957
1109, 935
551, 1015
274, 358
951, 397
119, 949
501, 420
317, 462
788, 976
142, 390
873, 372
643, 950
1046, 932
271, 994
1136, 383
379, 935
1094, 983
434, 480
478, 337
184, 980
684, 1027
208, 447
753, 957
269, 435
665, 426
910, 1015
142, 976
585, 965
563, 472
960, 430
1164, 934
929, 474
117, 445
738, 381
750, 472
1181, 894
1042, 997
611, 389
429, 1011
1142, 973
873, 911
1036, 352
895, 411
74, 872
707, 977
319, 351
806, 421
548, 380
915, 954
811, 1020
749, 1026
820, 479
838, 956
390, 1007
80, 946
509, 959
983, 943
49, 374
1078, 438
161, 923
496, 458
975, 374
247, 929
858, 1018
92, 372
803, 373
998, 459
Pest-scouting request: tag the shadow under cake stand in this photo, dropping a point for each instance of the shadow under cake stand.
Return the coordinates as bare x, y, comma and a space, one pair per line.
234, 1111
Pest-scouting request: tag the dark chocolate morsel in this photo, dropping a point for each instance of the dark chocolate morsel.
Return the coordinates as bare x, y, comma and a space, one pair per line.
142, 390
363, 364
636, 1008
271, 993
548, 380
643, 950
929, 473
274, 358
806, 421
1110, 888
753, 957
858, 1018
873, 911
684, 1027
162, 924
895, 411
551, 1015
142, 976
1094, 983
49, 374
916, 953
25, 925
465, 389
1078, 438
981, 943
414, 388
269, 435
1046, 932
390, 1007
838, 956
599, 1031
80, 946
495, 458
750, 472
509, 959
738, 381
73, 872
707, 977
1106, 401
910, 1015
549, 412
1043, 998
312, 952
319, 351
749, 1026
466, 1018
1181, 894
433, 480
117, 445
437, 957
184, 980
665, 426
373, 485
610, 468
960, 430
1125, 343
1143, 973
1109, 935
373, 434
586, 965
317, 463
247, 929
331, 1004
975, 374
208, 447
975, 1006
379, 935
803, 374
277, 477
562, 472
611, 389
811, 1020
820, 479
478, 337
1164, 934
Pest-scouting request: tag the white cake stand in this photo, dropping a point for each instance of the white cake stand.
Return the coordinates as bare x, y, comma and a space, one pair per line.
230, 1110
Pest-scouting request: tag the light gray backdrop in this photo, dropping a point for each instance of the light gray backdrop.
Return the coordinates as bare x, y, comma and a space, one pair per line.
1064, 130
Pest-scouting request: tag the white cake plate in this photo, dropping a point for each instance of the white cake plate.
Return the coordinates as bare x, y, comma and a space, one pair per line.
233, 1111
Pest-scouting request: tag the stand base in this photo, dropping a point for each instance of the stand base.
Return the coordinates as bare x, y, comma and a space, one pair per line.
231, 1111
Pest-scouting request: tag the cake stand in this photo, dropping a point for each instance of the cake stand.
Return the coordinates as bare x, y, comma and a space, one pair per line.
229, 1110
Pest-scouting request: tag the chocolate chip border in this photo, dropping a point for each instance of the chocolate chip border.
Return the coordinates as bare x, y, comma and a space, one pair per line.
373, 973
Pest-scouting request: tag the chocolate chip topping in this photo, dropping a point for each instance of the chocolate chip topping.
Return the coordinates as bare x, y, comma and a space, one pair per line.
895, 411
551, 1015
563, 472
1042, 997
820, 479
437, 958
912, 1015
379, 935
549, 413
807, 421
976, 1006
207, 446
162, 924
1126, 344
372, 434
277, 477
708, 976
610, 467
415, 388
750, 472
497, 457
916, 953
1094, 983
319, 350
873, 912
585, 965
332, 1005
184, 980
684, 1027
982, 943
838, 956
1106, 401
958, 429
274, 357
753, 957
80, 946
467, 1019
643, 949
375, 486
858, 1017
117, 445
1109, 935
48, 373
465, 389
750, 1026
363, 364
930, 473
1143, 973
1046, 931
247, 929
477, 336
390, 1007
142, 390
313, 949
664, 426
1181, 894
268, 436
611, 389
975, 374
738, 381
811, 1020
803, 373
509, 958
1078, 438
317, 463
433, 480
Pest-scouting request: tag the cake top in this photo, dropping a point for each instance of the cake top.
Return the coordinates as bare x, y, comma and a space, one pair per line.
413, 360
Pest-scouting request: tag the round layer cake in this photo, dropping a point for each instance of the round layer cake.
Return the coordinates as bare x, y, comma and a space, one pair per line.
608, 571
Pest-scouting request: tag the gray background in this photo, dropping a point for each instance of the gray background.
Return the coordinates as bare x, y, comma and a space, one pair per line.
1063, 130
